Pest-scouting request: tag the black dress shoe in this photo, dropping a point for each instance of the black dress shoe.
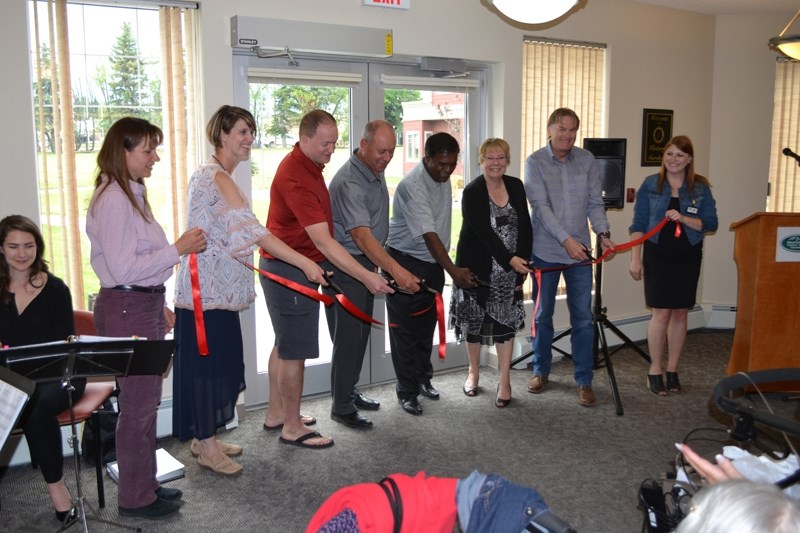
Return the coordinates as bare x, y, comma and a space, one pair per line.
353, 420
368, 404
171, 495
428, 391
67, 518
411, 406
158, 510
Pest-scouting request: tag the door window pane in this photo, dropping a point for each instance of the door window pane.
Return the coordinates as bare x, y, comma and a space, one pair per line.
278, 109
416, 115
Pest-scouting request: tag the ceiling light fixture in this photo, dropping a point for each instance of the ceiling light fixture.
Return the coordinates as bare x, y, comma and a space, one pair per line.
788, 45
534, 11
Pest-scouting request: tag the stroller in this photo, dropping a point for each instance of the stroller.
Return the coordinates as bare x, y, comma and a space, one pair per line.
666, 501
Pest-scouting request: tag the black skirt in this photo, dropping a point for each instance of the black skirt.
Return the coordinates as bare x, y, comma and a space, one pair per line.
671, 270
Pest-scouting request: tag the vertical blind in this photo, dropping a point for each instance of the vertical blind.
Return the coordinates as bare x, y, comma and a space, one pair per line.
783, 171
561, 74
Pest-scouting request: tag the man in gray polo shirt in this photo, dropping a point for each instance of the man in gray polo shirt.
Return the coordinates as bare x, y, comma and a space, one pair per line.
419, 239
360, 205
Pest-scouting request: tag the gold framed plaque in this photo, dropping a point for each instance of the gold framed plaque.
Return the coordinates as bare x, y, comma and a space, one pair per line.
656, 132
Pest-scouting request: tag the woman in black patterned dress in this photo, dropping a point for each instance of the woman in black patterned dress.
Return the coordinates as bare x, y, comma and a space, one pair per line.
494, 243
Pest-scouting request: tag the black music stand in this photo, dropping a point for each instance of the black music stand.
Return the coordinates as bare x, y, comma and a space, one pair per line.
75, 358
600, 321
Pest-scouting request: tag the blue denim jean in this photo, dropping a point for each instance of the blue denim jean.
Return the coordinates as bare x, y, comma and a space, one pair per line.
579, 302
492, 503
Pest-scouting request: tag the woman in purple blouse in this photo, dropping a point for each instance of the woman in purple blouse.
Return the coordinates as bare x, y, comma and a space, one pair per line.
132, 258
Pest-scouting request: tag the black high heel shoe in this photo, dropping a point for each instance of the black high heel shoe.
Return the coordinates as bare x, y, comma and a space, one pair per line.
656, 384
673, 385
499, 402
67, 518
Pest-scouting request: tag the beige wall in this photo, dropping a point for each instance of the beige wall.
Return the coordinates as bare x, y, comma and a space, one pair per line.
716, 74
18, 178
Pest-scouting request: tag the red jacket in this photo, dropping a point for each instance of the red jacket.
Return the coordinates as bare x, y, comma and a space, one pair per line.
428, 504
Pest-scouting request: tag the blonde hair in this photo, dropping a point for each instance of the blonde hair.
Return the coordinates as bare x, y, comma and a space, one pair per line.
491, 144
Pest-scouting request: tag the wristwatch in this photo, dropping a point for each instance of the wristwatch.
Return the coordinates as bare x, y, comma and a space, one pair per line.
604, 235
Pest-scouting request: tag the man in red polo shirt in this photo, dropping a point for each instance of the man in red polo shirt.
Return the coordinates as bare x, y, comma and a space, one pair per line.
300, 215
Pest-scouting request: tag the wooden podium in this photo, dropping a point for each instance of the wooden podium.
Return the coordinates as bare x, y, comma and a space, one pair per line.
768, 307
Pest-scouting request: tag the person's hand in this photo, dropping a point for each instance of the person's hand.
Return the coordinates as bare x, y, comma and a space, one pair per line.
169, 318
192, 241
674, 215
315, 273
636, 269
463, 278
376, 284
519, 265
712, 473
575, 250
608, 244
405, 279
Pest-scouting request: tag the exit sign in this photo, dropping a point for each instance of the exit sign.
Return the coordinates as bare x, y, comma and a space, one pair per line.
395, 4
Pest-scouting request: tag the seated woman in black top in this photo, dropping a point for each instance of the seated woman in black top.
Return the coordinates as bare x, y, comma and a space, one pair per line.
36, 307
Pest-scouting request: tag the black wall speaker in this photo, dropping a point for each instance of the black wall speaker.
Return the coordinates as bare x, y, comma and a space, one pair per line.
610, 156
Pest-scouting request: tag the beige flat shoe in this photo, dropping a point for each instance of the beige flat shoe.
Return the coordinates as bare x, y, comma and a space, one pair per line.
224, 465
231, 450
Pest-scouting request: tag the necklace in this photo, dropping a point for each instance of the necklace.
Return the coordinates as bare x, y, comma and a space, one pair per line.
220, 162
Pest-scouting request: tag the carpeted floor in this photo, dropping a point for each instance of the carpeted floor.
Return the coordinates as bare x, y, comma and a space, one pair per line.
587, 462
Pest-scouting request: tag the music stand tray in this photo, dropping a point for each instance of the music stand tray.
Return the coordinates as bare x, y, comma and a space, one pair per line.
93, 358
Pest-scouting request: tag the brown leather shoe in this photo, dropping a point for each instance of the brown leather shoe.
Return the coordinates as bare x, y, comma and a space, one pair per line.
585, 396
224, 465
231, 450
536, 384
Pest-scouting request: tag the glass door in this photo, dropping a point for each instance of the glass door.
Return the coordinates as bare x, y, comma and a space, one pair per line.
419, 105
278, 97
416, 103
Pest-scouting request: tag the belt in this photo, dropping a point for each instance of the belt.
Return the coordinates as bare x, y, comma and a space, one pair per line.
158, 289
398, 252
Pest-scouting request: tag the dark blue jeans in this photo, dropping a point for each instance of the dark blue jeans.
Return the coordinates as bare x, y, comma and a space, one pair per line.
579, 303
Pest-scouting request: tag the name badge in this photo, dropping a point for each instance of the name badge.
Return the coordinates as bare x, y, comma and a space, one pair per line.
692, 210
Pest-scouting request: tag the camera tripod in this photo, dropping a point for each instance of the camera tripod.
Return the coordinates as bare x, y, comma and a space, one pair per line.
600, 322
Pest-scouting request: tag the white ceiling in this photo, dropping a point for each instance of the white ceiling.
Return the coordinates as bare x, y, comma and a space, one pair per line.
730, 7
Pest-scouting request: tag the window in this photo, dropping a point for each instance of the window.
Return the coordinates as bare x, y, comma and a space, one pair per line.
560, 74
784, 177
412, 146
92, 64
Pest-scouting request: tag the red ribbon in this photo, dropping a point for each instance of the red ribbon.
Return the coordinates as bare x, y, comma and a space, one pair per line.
197, 301
537, 272
320, 297
302, 289
439, 304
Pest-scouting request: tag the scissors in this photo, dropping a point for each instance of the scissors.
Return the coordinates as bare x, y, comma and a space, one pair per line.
393, 284
425, 287
331, 283
483, 283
